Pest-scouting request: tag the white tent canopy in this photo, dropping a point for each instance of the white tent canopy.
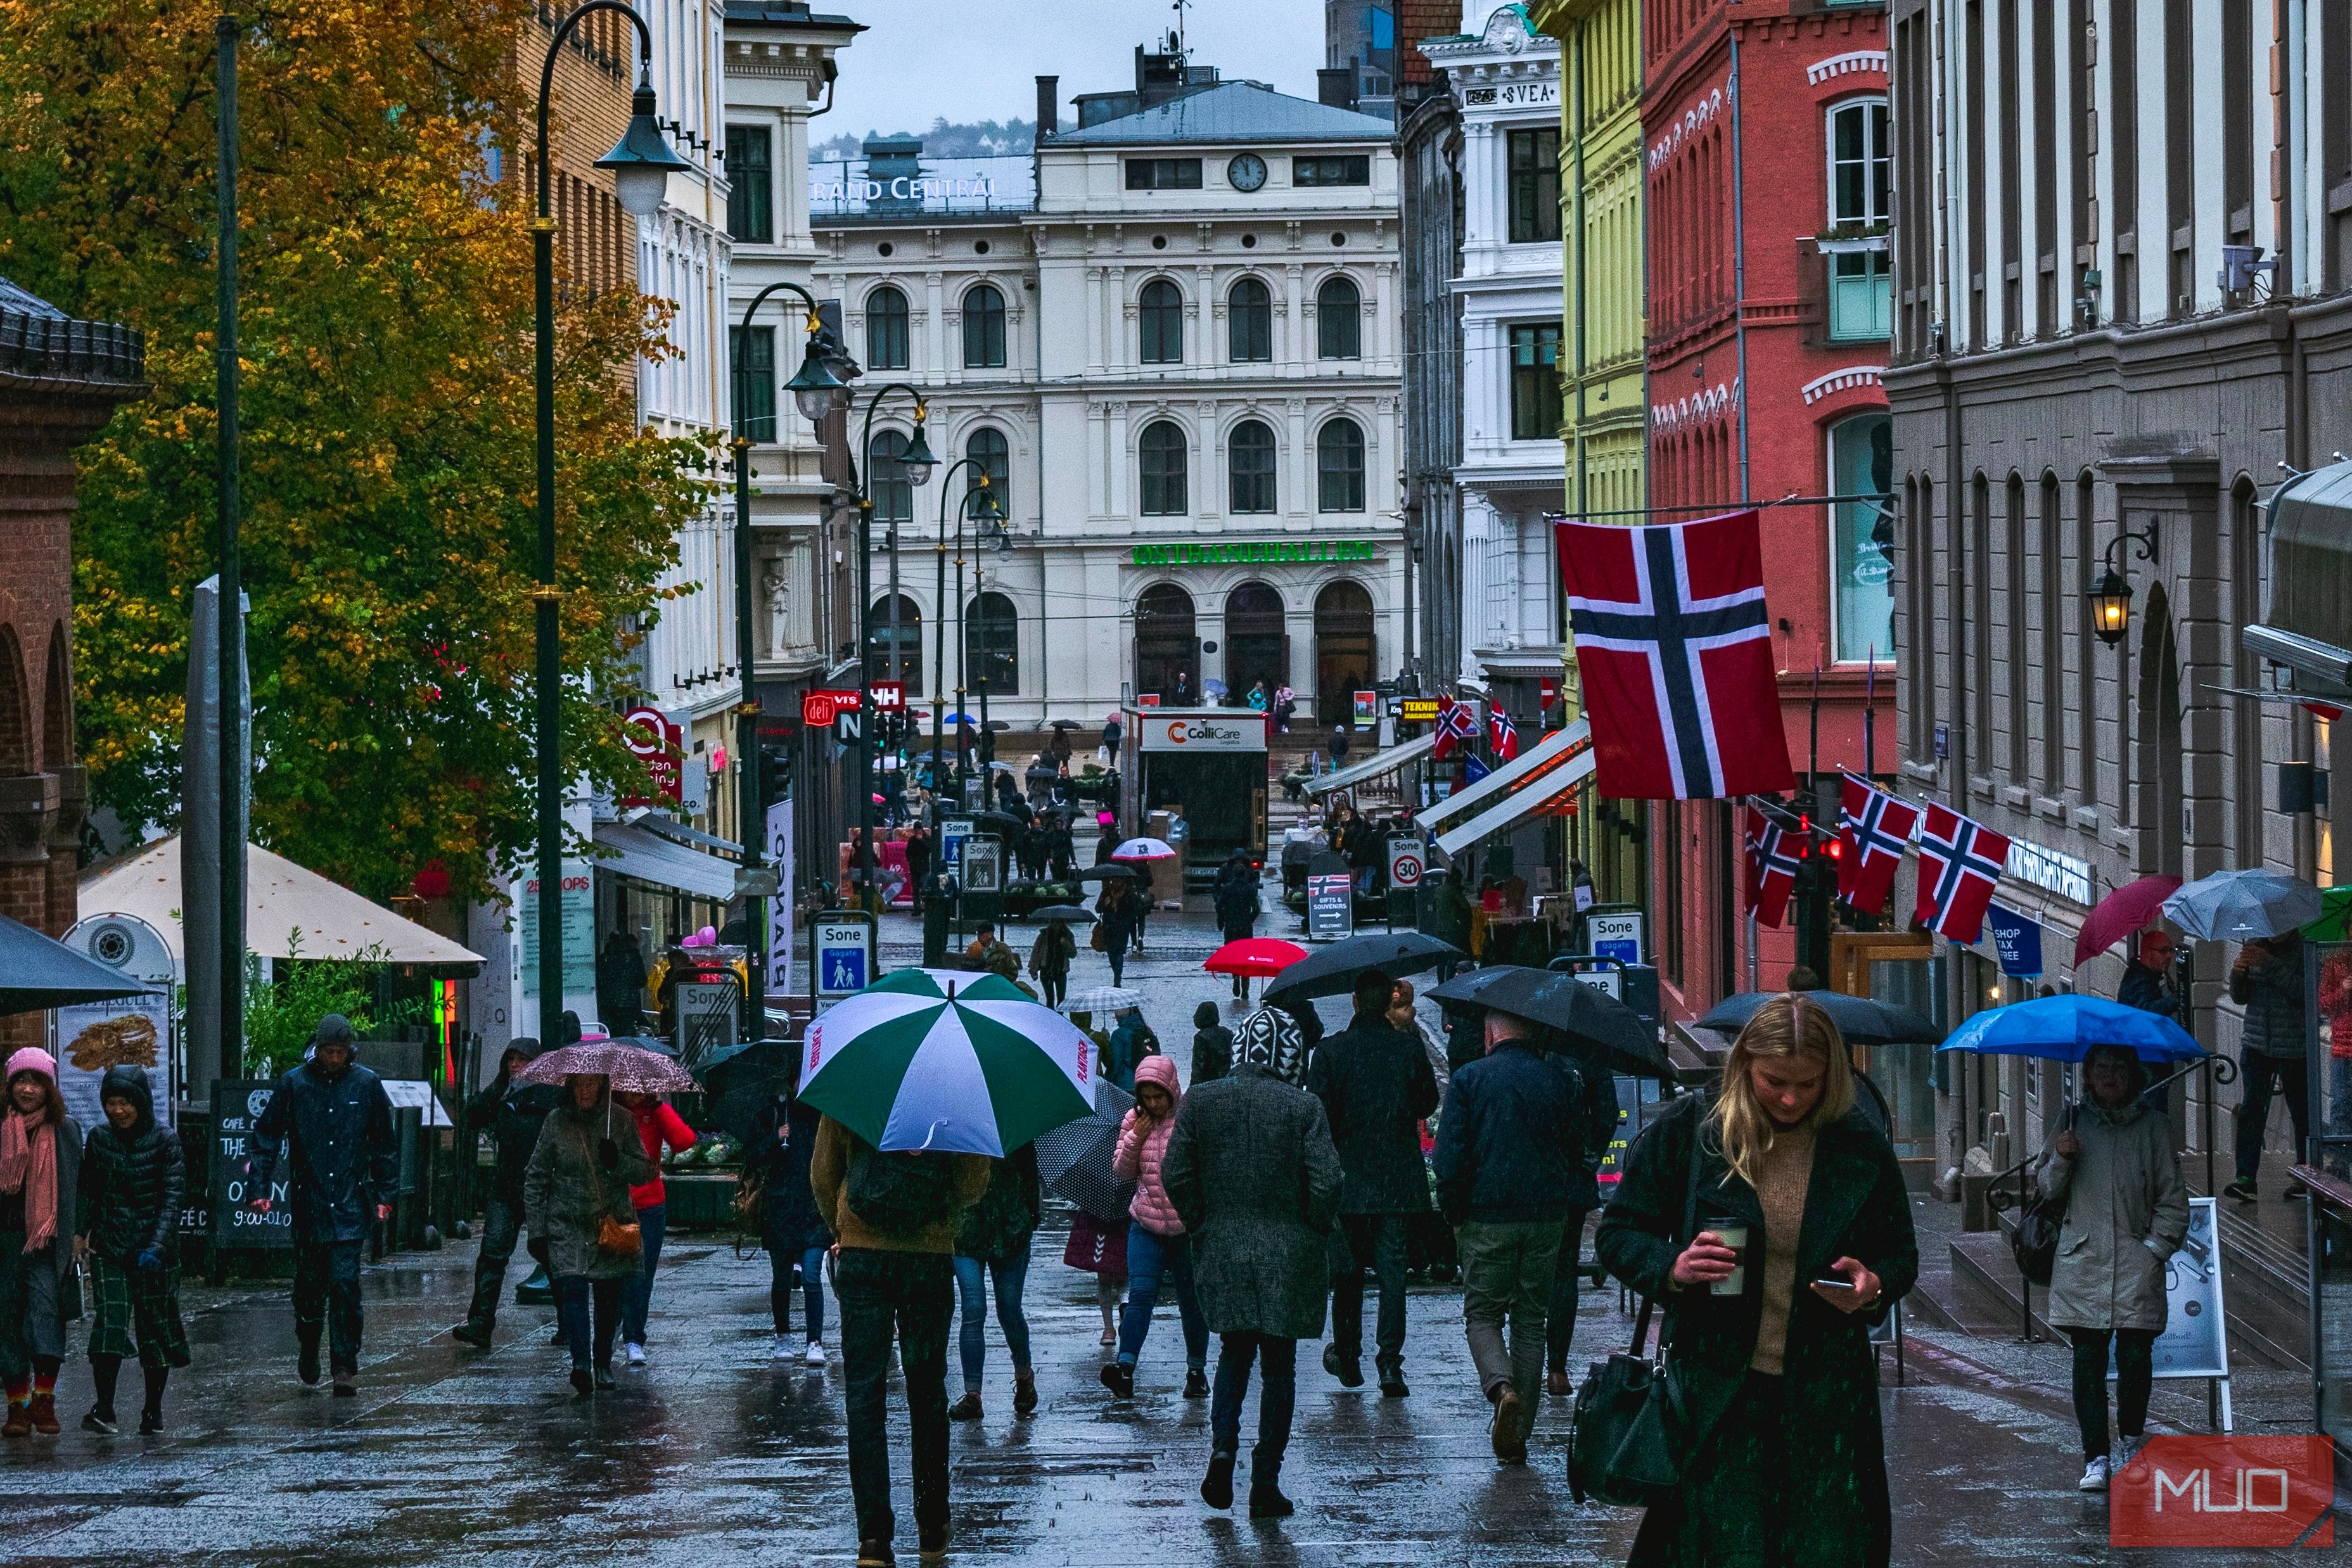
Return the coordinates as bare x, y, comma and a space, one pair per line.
289, 912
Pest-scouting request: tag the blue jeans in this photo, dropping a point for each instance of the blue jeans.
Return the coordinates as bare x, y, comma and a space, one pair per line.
810, 1264
972, 1342
1151, 1258
637, 1292
584, 1311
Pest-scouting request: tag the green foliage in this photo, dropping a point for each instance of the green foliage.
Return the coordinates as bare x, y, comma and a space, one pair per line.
281, 1015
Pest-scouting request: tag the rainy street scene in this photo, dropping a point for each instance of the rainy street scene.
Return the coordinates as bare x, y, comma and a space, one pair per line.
1434, 783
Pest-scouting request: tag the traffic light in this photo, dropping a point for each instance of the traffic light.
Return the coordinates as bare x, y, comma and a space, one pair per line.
775, 774
1816, 891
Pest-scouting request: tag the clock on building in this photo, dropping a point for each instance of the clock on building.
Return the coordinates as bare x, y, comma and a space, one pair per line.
1247, 171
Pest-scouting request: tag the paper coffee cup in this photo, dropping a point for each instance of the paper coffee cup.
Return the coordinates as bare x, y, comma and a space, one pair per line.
1736, 1237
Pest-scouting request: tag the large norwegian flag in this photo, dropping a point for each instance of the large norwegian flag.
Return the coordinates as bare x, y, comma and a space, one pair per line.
1876, 828
1771, 868
1961, 862
1674, 647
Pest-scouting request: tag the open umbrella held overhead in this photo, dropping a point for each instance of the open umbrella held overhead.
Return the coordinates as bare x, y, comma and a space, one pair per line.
2131, 907
1254, 957
2238, 905
1861, 1019
1073, 1159
1332, 972
630, 1068
2067, 1027
1589, 1019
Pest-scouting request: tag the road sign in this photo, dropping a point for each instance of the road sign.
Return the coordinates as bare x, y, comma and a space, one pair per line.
1405, 860
841, 952
1617, 934
982, 865
1610, 981
953, 831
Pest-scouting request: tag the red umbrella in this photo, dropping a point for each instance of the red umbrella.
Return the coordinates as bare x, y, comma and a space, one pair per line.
2133, 907
1257, 956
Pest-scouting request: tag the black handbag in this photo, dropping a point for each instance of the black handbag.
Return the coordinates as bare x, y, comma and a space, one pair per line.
2034, 1243
1626, 1439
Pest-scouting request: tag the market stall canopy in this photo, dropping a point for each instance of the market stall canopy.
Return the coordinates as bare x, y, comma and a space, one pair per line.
2309, 628
1372, 767
633, 852
289, 912
1537, 782
38, 972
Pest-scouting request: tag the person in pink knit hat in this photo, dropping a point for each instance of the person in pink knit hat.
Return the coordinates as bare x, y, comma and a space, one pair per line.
40, 1157
1157, 1248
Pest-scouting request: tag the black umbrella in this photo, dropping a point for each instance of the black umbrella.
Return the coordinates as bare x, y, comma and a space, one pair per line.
1589, 1018
38, 972
1862, 1020
1003, 822
1331, 971
1073, 1159
1065, 911
1105, 874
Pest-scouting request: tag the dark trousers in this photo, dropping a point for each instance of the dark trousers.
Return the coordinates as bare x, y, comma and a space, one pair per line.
1560, 1323
912, 1295
1275, 1400
587, 1310
1117, 957
501, 1225
2134, 1376
327, 1297
637, 1289
1383, 1235
2260, 1072
1056, 988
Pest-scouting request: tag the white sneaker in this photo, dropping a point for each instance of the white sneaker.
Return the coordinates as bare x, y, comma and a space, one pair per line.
636, 1353
784, 1351
2095, 1475
815, 1356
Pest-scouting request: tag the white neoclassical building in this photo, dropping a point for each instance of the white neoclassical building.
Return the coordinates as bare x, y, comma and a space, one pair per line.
1171, 340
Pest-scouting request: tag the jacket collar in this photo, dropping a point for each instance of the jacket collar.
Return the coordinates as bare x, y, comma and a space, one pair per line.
1843, 1174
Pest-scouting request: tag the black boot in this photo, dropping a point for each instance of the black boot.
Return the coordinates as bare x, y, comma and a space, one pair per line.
1267, 1502
1217, 1486
151, 1419
104, 1372
473, 1331
306, 1360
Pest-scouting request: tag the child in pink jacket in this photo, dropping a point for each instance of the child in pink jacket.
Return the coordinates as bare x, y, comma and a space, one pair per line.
1157, 1247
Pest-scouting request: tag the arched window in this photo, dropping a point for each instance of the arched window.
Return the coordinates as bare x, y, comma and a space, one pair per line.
1162, 311
993, 645
983, 329
1161, 458
1249, 466
908, 642
1338, 321
1862, 463
885, 330
1339, 467
1165, 647
1249, 323
893, 494
990, 455
1344, 648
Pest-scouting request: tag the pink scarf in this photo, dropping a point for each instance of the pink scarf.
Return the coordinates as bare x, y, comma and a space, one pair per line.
28, 1164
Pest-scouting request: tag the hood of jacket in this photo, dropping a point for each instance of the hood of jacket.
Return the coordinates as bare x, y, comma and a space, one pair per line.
126, 1081
1161, 1070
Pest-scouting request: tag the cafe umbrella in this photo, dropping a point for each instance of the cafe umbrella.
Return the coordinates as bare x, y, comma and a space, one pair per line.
1332, 971
1561, 1002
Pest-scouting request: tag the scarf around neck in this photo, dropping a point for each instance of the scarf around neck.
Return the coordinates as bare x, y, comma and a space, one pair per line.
28, 1165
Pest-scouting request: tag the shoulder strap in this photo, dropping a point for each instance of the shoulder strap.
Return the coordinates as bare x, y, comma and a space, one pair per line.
1690, 1219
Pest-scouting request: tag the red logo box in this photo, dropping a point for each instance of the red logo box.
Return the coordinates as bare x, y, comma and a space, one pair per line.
2228, 1492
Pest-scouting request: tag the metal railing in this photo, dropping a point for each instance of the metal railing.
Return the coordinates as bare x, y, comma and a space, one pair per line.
58, 347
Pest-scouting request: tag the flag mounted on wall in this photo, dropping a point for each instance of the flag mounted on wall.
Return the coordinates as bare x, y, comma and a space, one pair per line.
1960, 863
1876, 828
1674, 647
1457, 724
1502, 735
1771, 868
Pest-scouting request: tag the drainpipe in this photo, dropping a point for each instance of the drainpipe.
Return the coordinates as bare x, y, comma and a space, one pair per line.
1740, 262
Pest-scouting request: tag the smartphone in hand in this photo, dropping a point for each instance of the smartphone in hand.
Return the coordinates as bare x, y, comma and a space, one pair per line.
1834, 1284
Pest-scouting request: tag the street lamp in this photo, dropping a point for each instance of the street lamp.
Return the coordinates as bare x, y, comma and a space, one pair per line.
641, 162
2110, 598
981, 499
918, 463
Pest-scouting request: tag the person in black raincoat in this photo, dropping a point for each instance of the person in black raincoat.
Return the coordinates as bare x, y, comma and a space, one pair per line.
1236, 900
1785, 1457
512, 1114
335, 1121
128, 1225
793, 1234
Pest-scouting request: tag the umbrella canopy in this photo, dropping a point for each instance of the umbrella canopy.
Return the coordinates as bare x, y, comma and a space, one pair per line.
2334, 916
1862, 1020
2129, 909
1144, 850
1588, 1016
629, 1065
1332, 972
1073, 1159
1102, 1001
2065, 1028
1077, 914
1107, 874
41, 972
1257, 956
934, 1059
2235, 906
1003, 822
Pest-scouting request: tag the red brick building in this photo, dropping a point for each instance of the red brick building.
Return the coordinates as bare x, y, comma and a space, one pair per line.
1769, 318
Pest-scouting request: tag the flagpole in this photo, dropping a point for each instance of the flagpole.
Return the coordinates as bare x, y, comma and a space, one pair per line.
1870, 720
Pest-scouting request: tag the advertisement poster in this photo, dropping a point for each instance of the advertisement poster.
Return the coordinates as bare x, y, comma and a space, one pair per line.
780, 908
134, 1031
1330, 906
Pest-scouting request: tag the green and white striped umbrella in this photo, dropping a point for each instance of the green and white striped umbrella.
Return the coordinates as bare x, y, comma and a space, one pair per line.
939, 1059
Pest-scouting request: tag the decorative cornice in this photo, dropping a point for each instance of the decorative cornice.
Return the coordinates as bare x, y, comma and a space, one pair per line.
1843, 380
1821, 71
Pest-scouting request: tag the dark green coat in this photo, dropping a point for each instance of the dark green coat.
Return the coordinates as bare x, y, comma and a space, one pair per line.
1856, 1206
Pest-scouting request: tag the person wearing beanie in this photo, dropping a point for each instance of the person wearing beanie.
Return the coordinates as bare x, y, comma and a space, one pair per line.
39, 1178
127, 1225
334, 1121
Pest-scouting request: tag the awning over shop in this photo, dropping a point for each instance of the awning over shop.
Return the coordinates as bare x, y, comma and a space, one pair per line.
633, 852
2309, 627
1547, 754
1536, 796
1372, 767
678, 832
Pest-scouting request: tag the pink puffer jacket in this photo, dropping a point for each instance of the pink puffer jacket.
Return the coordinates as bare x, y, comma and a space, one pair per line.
1142, 1140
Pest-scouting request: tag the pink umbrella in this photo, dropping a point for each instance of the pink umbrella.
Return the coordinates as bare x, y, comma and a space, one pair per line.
2132, 907
1144, 850
630, 1067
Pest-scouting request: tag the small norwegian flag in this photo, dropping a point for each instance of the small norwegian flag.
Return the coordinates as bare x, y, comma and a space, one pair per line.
1771, 868
1876, 828
1502, 735
1457, 726
1961, 862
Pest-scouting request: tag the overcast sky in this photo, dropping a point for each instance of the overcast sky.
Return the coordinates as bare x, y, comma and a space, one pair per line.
977, 59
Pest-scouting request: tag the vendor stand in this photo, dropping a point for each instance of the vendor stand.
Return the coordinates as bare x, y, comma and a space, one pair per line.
1203, 766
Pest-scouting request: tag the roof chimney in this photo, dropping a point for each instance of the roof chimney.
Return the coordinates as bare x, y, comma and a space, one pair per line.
1336, 86
1048, 87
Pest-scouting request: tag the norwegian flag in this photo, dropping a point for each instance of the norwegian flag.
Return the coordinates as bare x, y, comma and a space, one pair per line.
1959, 865
1502, 735
1771, 868
1876, 828
1457, 726
1673, 645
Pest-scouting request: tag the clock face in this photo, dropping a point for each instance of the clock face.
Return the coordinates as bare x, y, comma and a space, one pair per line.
1247, 171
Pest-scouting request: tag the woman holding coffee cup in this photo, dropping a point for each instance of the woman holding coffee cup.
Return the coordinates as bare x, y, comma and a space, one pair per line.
1768, 1218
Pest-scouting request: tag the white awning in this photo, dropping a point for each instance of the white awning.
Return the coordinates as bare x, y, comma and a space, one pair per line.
1372, 767
633, 852
1533, 796
1545, 754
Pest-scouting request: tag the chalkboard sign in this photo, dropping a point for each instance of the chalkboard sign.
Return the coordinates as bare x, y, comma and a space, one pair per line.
237, 1104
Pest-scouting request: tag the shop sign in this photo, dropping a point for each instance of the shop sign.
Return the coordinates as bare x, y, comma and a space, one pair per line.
1330, 906
658, 744
820, 707
2017, 941
889, 696
1196, 733
579, 932
1256, 552
1417, 710
2065, 875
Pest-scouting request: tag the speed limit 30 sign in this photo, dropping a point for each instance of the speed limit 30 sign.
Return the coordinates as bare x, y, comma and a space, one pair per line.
1404, 862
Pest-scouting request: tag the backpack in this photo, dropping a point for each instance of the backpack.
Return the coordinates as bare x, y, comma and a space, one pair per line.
901, 1189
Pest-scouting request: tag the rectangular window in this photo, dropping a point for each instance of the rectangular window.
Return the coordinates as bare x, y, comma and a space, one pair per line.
2044, 259
2013, 180
750, 185
2121, 140
2237, 122
1862, 463
1535, 383
1535, 185
1163, 173
1349, 168
1861, 199
2181, 157
1973, 64
755, 382
1862, 295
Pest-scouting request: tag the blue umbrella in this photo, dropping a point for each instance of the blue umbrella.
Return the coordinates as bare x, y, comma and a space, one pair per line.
2065, 1028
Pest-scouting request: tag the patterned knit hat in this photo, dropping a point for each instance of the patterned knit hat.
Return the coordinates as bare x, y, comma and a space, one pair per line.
1270, 1038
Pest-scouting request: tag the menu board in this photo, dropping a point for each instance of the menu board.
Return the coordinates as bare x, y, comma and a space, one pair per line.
237, 1105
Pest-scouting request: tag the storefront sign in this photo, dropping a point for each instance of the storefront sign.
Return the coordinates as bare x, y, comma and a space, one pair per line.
1330, 906
1260, 552
2046, 869
1246, 734
2196, 1338
2017, 941
237, 1105
579, 931
658, 744
1417, 710
819, 707
889, 696
780, 908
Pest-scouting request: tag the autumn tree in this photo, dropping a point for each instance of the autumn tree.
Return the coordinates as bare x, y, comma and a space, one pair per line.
390, 532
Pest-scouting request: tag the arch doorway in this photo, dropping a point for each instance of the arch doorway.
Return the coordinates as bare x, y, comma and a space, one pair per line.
1165, 646
2163, 790
1257, 648
1343, 650
907, 644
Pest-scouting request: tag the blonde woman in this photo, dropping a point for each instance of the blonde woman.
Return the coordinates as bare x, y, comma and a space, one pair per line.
1768, 1218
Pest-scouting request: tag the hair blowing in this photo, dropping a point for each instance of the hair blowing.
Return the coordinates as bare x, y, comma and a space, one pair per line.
1787, 1026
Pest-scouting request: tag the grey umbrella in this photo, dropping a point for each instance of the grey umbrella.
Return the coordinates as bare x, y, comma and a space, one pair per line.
1073, 1159
2237, 905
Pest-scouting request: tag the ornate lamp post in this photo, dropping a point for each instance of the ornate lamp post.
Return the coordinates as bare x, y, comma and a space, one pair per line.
980, 500
919, 464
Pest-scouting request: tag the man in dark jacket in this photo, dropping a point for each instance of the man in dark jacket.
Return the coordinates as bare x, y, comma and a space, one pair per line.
1236, 902
335, 1121
1376, 1085
621, 985
1503, 1158
2267, 981
1213, 1047
919, 862
1592, 1095
512, 1114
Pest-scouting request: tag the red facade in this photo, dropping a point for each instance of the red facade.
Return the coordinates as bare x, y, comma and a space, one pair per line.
1766, 223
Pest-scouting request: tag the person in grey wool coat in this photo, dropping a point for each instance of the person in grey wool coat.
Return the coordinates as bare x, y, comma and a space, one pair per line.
1251, 1171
